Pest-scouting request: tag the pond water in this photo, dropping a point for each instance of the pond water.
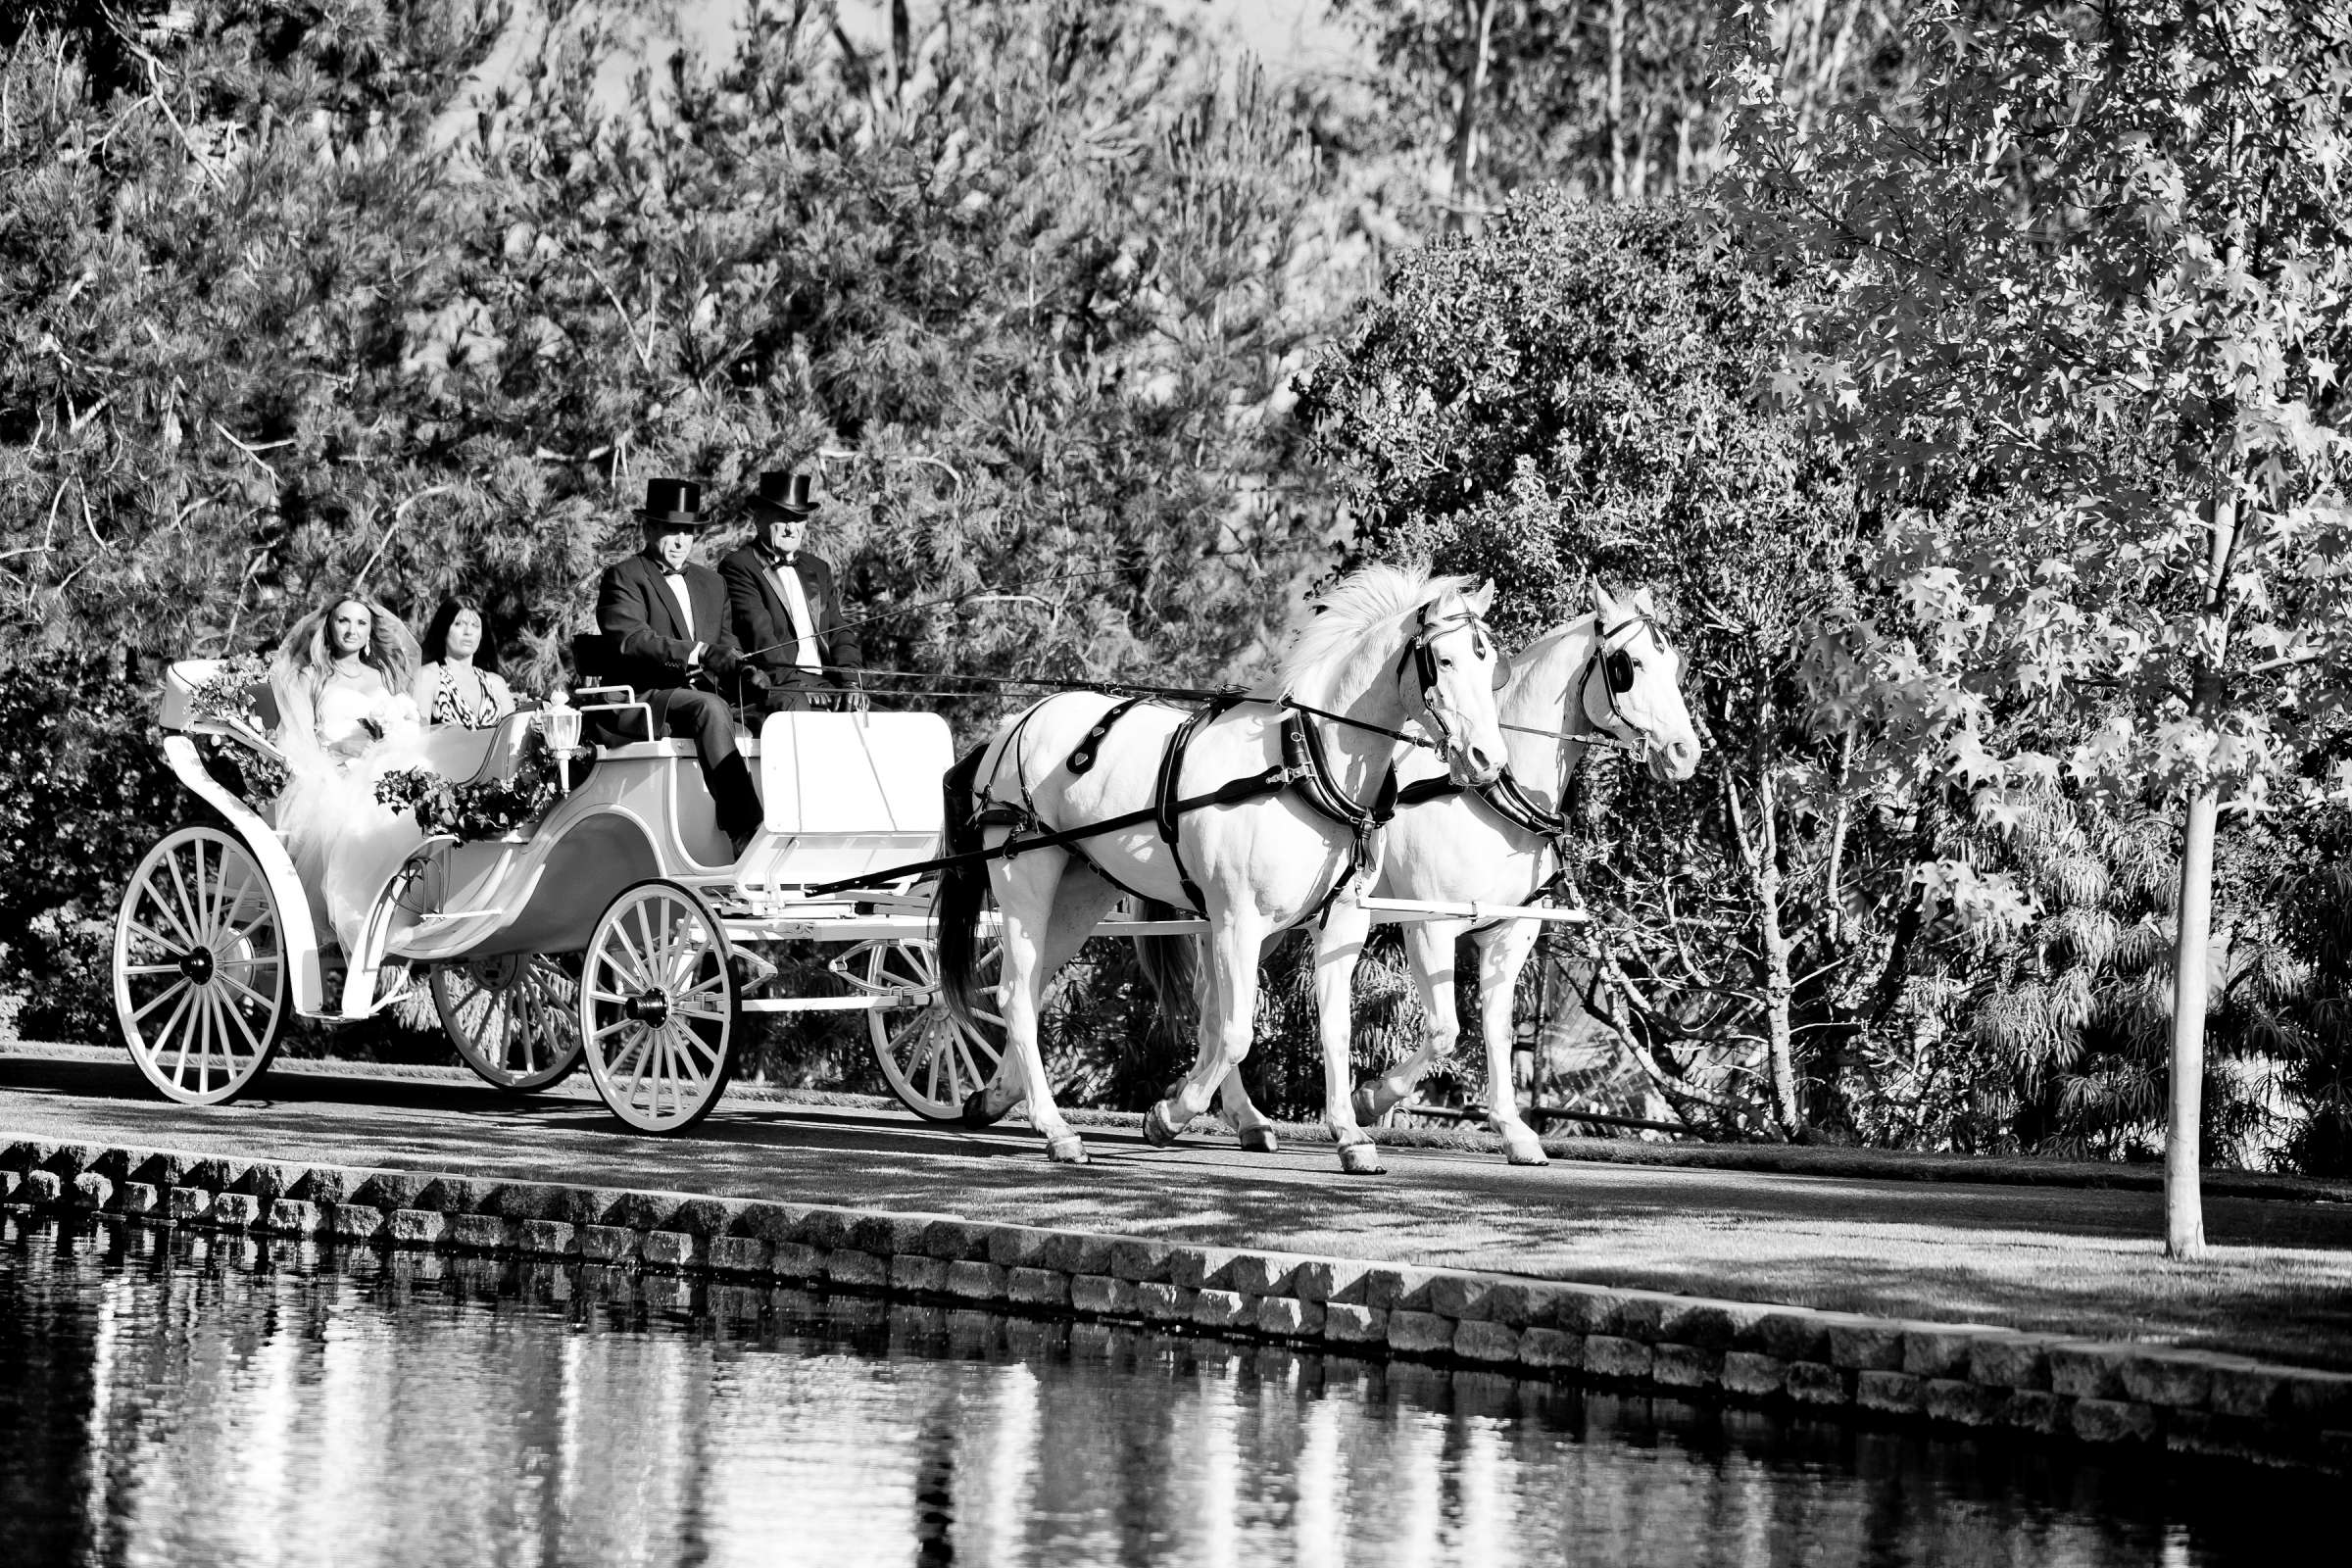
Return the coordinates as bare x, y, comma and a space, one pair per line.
187, 1400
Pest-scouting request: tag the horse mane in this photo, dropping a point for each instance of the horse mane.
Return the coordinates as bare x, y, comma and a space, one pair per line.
1367, 604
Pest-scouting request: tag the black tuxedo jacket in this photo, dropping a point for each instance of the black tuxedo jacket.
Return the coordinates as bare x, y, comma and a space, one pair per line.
637, 611
762, 619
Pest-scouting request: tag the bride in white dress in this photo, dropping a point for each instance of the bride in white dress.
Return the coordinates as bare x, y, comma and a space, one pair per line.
345, 719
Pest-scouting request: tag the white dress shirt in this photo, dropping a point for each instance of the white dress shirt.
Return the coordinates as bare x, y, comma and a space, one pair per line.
677, 591
803, 625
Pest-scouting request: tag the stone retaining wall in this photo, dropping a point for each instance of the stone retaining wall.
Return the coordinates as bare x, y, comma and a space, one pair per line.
1955, 1375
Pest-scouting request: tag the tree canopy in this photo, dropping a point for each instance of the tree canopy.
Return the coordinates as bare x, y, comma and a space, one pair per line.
2080, 294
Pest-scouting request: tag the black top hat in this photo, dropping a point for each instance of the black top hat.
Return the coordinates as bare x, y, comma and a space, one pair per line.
672, 503
787, 493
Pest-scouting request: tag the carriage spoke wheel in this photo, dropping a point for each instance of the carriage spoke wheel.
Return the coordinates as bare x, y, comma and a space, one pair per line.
659, 1008
200, 968
514, 1018
933, 1059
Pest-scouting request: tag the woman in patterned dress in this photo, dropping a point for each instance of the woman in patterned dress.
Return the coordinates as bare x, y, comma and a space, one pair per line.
459, 683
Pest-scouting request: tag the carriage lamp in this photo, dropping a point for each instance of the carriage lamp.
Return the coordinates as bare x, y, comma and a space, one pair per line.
560, 727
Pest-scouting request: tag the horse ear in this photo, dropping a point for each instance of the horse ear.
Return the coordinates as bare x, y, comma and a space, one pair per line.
1603, 604
1643, 603
1481, 598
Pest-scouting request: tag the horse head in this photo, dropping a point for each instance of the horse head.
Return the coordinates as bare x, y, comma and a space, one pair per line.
1631, 686
1447, 676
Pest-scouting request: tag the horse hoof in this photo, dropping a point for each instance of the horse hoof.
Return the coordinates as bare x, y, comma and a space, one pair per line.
1530, 1153
976, 1113
1259, 1140
1361, 1159
1069, 1150
1159, 1128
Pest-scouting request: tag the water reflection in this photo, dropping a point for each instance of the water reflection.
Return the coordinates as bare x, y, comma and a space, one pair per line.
187, 1400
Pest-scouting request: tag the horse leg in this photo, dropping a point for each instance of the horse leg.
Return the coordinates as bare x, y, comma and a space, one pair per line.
1027, 893
1080, 902
1252, 1126
1501, 954
1337, 947
1229, 1009
1429, 947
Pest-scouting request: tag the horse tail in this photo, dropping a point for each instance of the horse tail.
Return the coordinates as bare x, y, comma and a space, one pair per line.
962, 886
1171, 966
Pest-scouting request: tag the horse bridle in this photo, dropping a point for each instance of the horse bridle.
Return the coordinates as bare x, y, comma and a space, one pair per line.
1420, 653
1615, 666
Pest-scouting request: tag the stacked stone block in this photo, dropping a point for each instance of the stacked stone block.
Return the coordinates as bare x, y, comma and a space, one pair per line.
1881, 1369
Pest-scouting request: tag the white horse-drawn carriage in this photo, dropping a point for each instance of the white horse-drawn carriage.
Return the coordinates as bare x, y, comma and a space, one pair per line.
618, 929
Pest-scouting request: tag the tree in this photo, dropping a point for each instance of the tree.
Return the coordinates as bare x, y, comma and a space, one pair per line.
2080, 296
1616, 100
1569, 395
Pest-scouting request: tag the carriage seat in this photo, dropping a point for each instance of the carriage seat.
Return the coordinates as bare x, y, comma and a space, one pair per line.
479, 756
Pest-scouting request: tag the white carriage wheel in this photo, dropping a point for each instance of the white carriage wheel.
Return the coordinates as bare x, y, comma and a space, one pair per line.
200, 968
514, 1018
932, 1059
658, 1007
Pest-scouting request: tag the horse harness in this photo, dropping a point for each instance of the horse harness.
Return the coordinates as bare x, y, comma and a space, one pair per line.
1305, 765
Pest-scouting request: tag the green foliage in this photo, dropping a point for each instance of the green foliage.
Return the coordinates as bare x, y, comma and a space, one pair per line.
476, 809
2091, 281
1032, 319
2078, 302
79, 770
1620, 101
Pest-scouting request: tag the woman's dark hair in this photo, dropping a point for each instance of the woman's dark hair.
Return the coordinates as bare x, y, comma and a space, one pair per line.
436, 635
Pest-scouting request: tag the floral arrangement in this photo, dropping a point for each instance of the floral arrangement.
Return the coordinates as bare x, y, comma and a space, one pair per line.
255, 776
393, 714
226, 694
486, 808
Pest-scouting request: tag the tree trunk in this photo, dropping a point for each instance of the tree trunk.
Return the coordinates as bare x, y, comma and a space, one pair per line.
1761, 854
2183, 1203
1780, 988
1465, 119
1616, 104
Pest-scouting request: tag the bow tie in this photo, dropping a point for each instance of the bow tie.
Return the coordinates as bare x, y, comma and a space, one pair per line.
787, 558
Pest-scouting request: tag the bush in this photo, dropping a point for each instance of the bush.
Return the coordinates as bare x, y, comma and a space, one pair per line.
84, 793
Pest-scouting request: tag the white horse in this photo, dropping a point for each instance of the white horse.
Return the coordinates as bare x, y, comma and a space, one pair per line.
1609, 674
1295, 828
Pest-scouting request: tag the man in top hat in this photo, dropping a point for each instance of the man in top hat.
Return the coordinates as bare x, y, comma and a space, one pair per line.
786, 609
665, 621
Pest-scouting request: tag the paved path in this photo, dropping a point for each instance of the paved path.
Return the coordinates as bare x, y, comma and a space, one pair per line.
2067, 1259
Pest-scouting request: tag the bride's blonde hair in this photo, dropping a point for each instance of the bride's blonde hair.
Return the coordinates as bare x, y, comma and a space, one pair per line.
307, 655
391, 649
